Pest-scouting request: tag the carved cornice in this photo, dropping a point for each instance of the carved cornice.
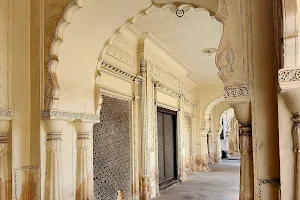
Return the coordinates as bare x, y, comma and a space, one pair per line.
167, 90
121, 56
237, 91
69, 116
120, 73
6, 113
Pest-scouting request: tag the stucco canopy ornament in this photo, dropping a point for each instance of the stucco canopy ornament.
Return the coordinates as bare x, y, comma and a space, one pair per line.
233, 56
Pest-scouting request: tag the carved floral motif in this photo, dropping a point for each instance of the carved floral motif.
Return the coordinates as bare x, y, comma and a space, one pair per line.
237, 91
291, 75
66, 115
6, 113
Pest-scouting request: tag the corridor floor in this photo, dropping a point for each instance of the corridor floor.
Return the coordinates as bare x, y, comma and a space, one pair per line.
220, 183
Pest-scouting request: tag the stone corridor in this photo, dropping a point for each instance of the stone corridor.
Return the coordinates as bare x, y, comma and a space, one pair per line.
220, 183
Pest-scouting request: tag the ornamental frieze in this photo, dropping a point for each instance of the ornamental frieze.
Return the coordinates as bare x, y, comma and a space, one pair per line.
288, 75
237, 91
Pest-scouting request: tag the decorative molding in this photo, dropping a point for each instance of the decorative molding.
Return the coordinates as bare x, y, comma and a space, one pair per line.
222, 12
166, 106
163, 75
120, 73
6, 113
237, 91
271, 182
69, 116
288, 75
162, 88
121, 56
116, 94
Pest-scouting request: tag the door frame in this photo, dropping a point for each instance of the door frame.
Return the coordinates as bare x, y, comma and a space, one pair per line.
173, 111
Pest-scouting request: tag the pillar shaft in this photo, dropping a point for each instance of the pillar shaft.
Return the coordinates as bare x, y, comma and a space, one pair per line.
145, 178
84, 169
53, 179
246, 171
210, 148
218, 149
4, 125
296, 140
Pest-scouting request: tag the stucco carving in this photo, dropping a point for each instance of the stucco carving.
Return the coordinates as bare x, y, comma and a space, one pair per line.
288, 75
6, 113
237, 91
163, 75
120, 73
69, 116
166, 90
120, 55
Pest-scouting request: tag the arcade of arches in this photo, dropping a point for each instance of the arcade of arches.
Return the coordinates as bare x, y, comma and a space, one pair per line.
121, 99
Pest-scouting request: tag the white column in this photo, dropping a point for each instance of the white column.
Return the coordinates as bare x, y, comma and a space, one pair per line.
145, 176
4, 126
53, 179
210, 147
84, 169
218, 148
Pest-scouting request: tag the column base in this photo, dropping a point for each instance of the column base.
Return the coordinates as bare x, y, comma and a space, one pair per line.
145, 189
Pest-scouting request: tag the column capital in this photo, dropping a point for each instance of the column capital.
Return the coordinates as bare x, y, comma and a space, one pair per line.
83, 127
54, 125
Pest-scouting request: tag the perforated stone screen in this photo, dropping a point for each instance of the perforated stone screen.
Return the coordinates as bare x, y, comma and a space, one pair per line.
111, 149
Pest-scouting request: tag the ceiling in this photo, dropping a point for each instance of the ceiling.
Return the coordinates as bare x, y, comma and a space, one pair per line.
186, 37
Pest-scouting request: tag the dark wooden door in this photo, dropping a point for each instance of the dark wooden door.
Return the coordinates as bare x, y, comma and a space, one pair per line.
167, 151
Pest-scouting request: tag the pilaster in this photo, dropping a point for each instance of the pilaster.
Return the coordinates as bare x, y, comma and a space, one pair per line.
210, 148
145, 176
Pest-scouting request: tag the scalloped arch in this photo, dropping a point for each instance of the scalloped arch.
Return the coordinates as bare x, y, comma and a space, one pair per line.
231, 110
52, 90
209, 108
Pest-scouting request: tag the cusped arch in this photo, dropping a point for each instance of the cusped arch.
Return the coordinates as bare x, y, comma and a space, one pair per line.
209, 108
52, 88
231, 116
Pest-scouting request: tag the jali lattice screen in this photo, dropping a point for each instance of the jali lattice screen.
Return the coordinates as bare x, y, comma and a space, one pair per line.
111, 149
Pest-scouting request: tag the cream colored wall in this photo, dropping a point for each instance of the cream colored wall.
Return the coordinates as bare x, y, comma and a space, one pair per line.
187, 140
287, 158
